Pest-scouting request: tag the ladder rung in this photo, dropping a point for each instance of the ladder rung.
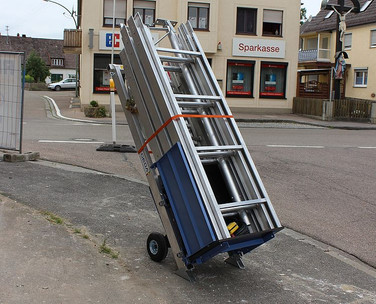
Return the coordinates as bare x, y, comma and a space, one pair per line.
171, 68
213, 154
218, 148
231, 207
192, 104
176, 59
191, 112
186, 96
178, 51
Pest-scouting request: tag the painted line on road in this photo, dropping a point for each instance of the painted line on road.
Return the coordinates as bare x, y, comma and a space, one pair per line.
69, 141
366, 147
291, 146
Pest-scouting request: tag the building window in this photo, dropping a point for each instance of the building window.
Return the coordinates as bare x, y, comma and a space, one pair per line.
246, 20
348, 41
360, 78
373, 38
120, 12
56, 77
198, 15
272, 23
57, 62
146, 9
240, 76
101, 73
273, 80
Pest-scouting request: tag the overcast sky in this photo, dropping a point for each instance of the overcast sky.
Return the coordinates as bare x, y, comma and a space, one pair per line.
37, 18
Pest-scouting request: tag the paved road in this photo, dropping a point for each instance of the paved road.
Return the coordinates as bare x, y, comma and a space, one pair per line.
321, 180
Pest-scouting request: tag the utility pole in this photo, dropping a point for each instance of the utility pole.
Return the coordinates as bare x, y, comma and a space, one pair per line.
73, 14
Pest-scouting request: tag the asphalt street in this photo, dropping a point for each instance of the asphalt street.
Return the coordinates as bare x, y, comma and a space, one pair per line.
321, 182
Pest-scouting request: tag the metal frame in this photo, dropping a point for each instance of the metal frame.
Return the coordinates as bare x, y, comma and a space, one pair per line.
180, 104
23, 67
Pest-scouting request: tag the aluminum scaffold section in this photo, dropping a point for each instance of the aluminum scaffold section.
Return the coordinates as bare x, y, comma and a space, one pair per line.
205, 186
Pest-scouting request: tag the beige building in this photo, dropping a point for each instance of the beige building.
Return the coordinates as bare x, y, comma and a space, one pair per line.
317, 54
252, 45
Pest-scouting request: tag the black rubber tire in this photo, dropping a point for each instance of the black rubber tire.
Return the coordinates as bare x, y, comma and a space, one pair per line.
57, 88
157, 246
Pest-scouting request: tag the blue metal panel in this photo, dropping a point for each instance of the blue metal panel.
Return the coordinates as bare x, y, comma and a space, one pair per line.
235, 244
185, 200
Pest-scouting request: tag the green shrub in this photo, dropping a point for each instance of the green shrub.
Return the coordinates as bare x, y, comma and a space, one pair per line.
94, 104
101, 112
96, 112
29, 79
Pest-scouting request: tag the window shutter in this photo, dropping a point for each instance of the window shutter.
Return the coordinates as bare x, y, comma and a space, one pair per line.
194, 4
272, 16
120, 8
144, 4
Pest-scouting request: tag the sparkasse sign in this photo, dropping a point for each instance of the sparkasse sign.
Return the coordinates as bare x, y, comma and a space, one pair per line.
248, 47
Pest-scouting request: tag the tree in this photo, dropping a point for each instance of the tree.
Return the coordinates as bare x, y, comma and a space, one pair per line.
36, 67
303, 14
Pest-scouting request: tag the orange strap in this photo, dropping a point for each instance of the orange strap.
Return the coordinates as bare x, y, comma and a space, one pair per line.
176, 117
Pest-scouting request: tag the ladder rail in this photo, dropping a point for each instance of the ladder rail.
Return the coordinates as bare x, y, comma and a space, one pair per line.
182, 130
249, 161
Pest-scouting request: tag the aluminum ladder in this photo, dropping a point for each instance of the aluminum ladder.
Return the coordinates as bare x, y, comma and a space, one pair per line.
205, 186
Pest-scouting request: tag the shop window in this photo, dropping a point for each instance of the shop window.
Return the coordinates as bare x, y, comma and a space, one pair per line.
120, 12
373, 38
272, 23
246, 20
56, 77
273, 80
348, 41
240, 76
101, 74
360, 78
198, 15
146, 9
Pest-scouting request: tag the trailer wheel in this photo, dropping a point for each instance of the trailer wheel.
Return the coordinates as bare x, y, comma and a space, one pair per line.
157, 246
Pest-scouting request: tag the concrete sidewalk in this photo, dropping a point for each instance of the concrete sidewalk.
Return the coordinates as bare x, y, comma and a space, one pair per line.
63, 104
52, 238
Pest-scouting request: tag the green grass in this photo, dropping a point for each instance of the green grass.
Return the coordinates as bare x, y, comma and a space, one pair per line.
53, 218
107, 250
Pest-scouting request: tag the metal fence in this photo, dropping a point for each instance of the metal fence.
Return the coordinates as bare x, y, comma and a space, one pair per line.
12, 75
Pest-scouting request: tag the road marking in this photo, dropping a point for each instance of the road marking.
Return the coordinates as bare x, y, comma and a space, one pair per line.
291, 146
366, 147
69, 141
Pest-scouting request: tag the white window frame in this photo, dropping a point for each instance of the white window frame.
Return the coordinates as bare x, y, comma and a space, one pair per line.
347, 47
57, 62
364, 77
373, 41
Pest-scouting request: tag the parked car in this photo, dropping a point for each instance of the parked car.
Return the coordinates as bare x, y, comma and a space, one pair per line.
68, 83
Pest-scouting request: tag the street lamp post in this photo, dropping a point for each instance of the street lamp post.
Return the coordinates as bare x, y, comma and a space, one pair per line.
73, 14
